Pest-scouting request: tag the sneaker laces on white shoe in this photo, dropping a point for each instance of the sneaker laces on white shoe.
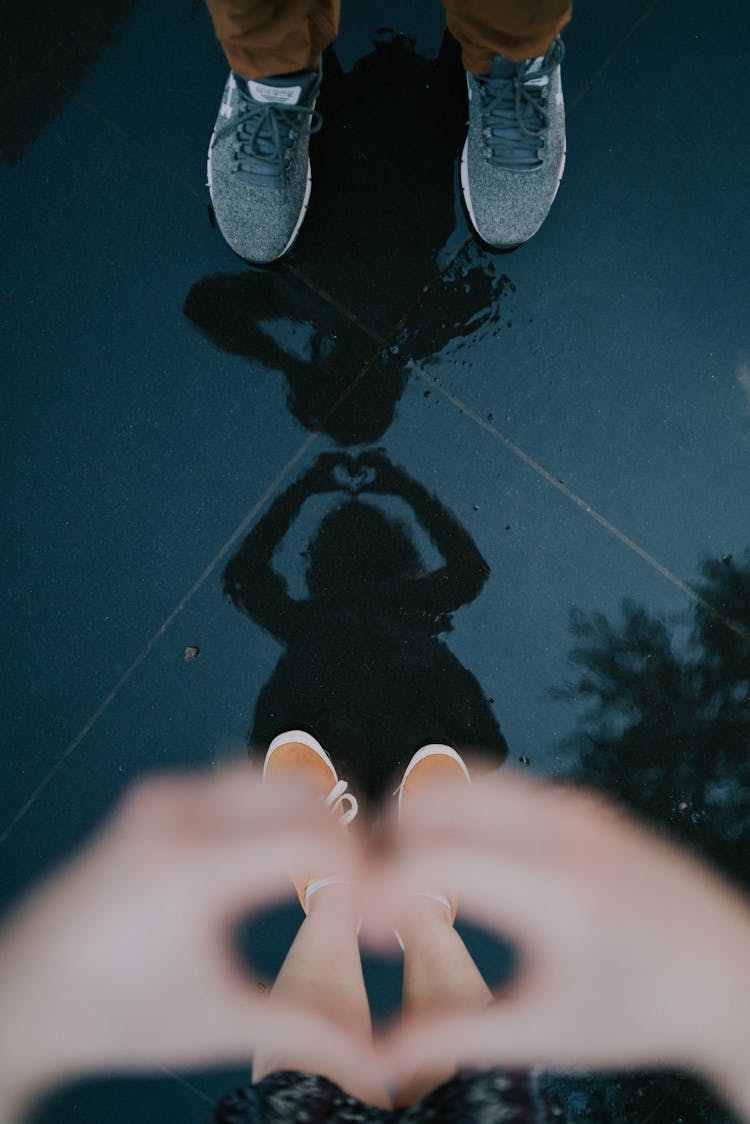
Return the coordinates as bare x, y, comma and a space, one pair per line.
515, 115
265, 132
336, 799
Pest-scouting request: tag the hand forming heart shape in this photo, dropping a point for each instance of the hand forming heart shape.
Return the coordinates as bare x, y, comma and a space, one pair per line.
123, 960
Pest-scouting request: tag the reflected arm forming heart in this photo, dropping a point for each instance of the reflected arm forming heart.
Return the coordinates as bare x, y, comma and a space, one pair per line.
632, 954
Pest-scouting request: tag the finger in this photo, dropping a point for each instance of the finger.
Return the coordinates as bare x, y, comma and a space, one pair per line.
511, 1037
288, 1031
326, 1046
495, 802
229, 1027
238, 796
547, 1034
466, 1039
221, 801
505, 808
237, 873
521, 898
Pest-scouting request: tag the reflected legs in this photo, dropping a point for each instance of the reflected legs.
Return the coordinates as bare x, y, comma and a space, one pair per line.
439, 973
323, 971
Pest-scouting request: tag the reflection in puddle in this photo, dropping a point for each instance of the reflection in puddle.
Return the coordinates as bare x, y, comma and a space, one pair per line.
667, 733
383, 204
383, 212
339, 380
364, 668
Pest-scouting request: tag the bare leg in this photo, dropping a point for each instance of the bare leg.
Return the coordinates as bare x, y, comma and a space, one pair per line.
323, 971
438, 972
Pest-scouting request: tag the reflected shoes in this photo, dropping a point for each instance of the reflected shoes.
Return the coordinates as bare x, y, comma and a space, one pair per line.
432, 764
296, 753
258, 167
514, 154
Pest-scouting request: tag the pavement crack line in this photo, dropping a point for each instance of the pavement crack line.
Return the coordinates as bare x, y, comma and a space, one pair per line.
336, 305
307, 444
187, 1084
157, 635
574, 498
609, 59
381, 341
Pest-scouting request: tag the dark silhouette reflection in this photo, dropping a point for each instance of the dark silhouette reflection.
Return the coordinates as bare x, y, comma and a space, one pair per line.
242, 312
382, 209
667, 732
364, 669
383, 201
272, 319
46, 52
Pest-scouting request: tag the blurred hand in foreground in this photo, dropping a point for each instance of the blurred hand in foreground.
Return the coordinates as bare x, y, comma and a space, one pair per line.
632, 953
123, 960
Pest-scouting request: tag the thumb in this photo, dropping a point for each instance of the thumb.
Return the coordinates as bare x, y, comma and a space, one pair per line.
287, 1032
472, 1039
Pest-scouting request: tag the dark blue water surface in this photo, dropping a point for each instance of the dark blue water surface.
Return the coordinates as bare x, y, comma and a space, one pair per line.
563, 431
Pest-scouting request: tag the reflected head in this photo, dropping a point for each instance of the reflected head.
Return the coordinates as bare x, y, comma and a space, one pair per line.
356, 542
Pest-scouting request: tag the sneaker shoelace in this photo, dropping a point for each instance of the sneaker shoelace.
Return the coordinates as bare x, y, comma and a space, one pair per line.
264, 133
514, 112
336, 799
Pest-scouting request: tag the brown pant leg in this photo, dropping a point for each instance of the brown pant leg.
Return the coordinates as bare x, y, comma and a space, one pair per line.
518, 29
262, 38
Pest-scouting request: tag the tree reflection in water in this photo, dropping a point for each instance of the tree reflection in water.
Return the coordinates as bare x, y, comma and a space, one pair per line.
667, 732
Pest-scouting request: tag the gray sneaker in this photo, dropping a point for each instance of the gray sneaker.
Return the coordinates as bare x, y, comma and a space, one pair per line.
258, 165
514, 154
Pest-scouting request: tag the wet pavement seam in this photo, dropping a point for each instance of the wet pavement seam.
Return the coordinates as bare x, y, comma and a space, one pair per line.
659, 1105
122, 682
187, 1085
76, 98
609, 59
579, 502
337, 305
144, 150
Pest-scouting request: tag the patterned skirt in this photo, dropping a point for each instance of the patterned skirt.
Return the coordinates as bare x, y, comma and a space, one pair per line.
471, 1097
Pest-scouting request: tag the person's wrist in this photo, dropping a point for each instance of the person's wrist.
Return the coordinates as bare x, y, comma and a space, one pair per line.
730, 1072
15, 1102
724, 1054
24, 1071
35, 1050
